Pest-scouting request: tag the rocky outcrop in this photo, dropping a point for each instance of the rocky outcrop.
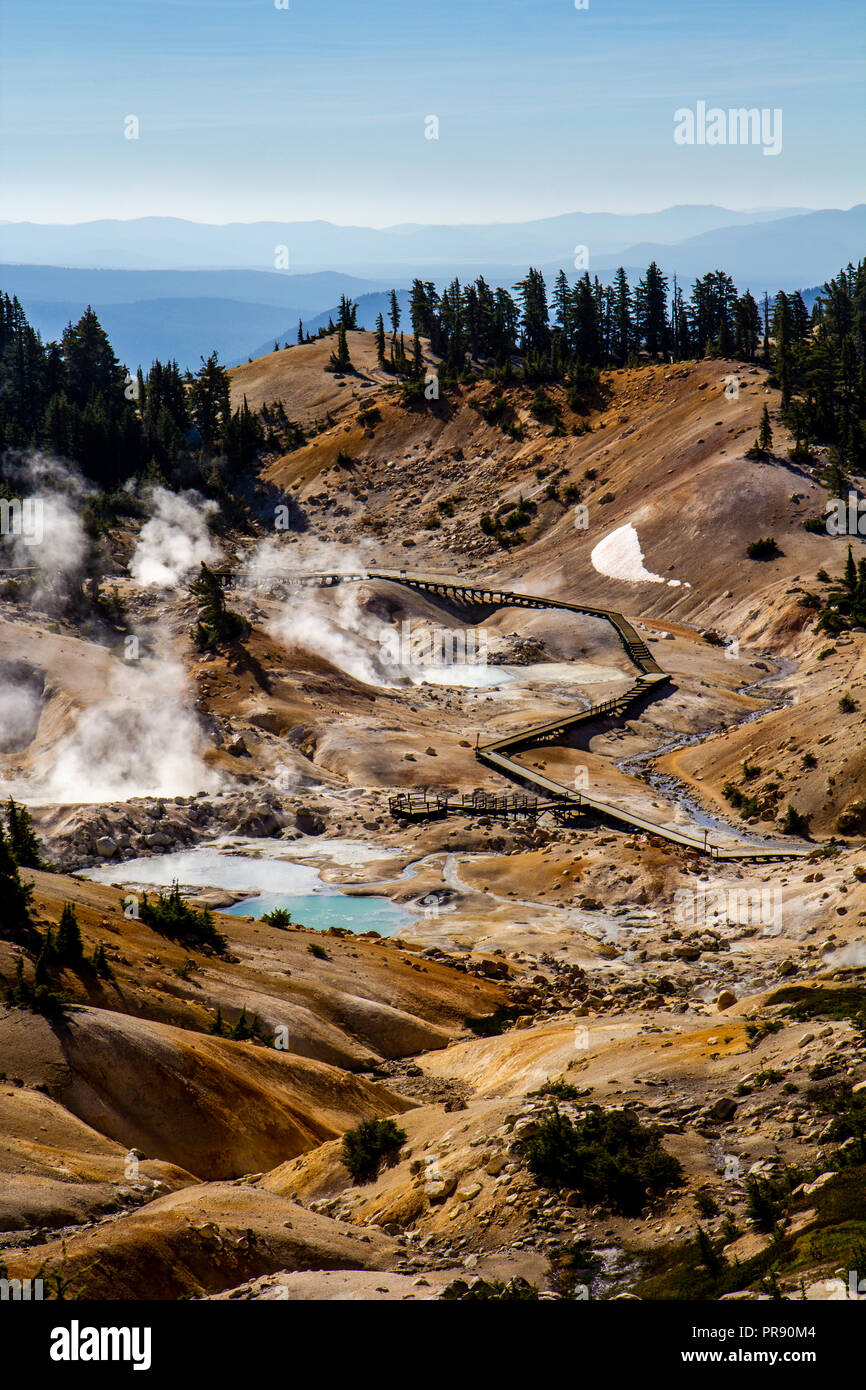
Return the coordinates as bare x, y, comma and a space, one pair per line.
134, 829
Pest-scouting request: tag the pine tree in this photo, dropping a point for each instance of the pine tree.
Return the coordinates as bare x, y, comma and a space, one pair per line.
709, 1256
765, 432
783, 350
22, 837
340, 361
394, 315
15, 896
534, 322
623, 327
45, 959
100, 964
380, 341
69, 947
241, 1031
747, 327
348, 313
651, 310
210, 403
562, 305
90, 366
218, 1027
217, 625
587, 329
300, 330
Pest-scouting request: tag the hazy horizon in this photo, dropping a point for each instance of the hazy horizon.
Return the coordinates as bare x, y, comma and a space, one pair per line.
644, 211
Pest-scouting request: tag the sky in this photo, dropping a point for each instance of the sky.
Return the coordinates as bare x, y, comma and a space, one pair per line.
248, 111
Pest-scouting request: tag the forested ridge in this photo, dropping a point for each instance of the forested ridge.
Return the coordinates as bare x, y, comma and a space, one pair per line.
73, 399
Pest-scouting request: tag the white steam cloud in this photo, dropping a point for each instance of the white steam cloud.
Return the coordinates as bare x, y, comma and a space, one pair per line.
334, 624
141, 740
852, 956
20, 708
52, 543
335, 627
176, 539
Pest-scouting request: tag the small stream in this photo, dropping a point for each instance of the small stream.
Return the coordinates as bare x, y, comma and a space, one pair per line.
676, 792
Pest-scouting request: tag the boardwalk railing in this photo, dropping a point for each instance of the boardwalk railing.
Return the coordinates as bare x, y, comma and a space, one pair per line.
495, 754
417, 806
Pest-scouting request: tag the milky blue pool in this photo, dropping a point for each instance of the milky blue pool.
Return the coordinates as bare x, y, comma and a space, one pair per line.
270, 882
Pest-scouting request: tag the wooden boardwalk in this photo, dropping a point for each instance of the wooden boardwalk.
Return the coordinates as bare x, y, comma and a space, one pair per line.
497, 753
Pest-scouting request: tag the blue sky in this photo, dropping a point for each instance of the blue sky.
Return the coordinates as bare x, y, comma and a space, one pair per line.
249, 112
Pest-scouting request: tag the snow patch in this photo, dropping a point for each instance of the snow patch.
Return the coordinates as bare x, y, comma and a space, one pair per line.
619, 556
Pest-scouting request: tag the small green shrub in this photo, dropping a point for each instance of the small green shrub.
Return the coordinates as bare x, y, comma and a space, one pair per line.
36, 998
373, 1143
609, 1157
763, 549
706, 1204
278, 917
170, 916
767, 1203
559, 1090
795, 823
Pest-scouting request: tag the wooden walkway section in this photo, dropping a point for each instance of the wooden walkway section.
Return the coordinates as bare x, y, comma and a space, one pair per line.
497, 754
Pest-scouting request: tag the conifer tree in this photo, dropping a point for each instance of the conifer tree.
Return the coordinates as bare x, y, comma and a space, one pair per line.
241, 1031
394, 315
22, 837
783, 354
45, 959
100, 964
15, 896
340, 361
747, 327
623, 327
69, 948
850, 572
765, 432
380, 341
217, 624
534, 320
651, 310
562, 304
348, 314
210, 403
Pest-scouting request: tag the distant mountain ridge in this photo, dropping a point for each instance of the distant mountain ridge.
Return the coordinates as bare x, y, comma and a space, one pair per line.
175, 244
180, 315
788, 253
184, 313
